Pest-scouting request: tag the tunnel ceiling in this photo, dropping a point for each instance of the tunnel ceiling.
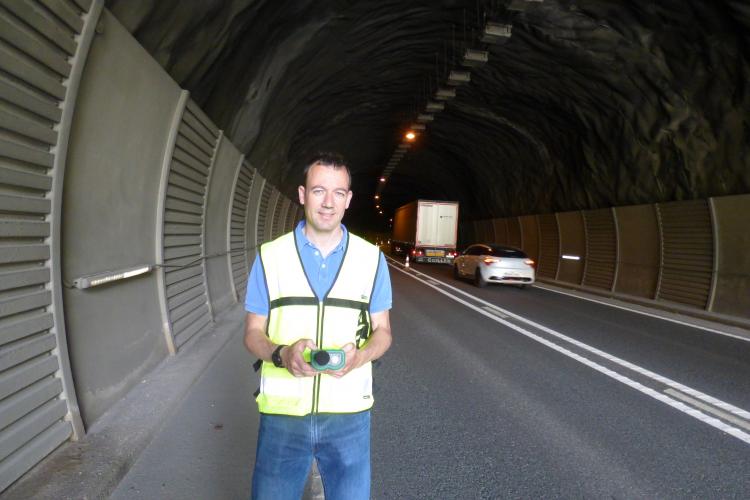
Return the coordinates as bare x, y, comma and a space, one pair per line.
587, 104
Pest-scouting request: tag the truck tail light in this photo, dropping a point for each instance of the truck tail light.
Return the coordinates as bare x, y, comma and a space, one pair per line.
490, 260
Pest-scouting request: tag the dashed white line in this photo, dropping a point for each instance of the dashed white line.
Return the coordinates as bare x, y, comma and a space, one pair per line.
495, 311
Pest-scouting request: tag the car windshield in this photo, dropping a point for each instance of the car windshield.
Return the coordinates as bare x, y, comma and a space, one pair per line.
507, 252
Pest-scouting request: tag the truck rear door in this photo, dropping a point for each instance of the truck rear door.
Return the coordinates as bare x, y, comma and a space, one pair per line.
447, 223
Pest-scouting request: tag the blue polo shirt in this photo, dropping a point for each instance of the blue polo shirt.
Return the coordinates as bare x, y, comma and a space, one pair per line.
320, 272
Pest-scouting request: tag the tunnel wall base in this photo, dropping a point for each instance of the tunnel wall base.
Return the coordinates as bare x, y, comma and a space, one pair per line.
688, 256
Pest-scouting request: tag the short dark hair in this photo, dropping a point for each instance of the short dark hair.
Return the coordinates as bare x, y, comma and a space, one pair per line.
327, 159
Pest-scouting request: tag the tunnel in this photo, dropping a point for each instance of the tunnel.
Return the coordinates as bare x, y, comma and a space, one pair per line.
147, 149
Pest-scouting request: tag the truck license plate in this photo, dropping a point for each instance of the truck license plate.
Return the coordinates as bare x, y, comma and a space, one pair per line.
435, 253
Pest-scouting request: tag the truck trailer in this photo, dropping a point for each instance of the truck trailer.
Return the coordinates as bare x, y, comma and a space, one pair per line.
426, 230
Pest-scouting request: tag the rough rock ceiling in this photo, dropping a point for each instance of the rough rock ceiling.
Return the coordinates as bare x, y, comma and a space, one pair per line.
588, 104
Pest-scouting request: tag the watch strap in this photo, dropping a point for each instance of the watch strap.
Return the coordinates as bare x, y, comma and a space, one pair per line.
276, 357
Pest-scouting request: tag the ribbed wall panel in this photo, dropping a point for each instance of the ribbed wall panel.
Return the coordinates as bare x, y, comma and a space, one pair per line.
272, 205
514, 232
485, 231
687, 252
291, 217
279, 216
37, 40
549, 246
601, 248
184, 245
264, 218
238, 229
501, 230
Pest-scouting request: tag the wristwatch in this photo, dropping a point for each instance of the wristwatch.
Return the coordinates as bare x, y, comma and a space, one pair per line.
276, 357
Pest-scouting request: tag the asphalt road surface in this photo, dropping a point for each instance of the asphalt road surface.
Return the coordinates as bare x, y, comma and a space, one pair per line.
499, 393
509, 393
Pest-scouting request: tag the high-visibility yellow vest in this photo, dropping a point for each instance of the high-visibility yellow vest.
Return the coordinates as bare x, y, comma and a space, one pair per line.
339, 318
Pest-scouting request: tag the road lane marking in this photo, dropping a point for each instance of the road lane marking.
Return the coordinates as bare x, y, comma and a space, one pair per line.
712, 421
626, 364
644, 313
495, 311
708, 408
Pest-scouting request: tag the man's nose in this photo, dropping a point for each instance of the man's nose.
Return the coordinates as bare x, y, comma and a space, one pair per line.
328, 200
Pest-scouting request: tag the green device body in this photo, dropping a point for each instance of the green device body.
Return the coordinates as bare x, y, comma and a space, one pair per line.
327, 359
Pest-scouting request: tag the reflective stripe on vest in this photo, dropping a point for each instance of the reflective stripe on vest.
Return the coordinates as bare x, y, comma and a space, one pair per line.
341, 317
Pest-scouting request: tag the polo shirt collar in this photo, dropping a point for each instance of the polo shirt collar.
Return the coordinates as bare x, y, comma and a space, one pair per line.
304, 242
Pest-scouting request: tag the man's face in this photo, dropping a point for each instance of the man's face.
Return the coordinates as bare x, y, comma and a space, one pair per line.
326, 197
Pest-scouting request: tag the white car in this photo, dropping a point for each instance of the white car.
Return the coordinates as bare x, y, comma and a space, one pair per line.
489, 263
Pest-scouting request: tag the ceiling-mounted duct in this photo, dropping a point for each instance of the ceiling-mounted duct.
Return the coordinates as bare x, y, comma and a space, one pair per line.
435, 107
496, 32
459, 77
445, 94
418, 126
475, 57
424, 118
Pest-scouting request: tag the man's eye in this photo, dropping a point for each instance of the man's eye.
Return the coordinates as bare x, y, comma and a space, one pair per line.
317, 192
340, 195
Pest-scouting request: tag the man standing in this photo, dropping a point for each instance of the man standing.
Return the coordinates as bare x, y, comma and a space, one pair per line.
317, 287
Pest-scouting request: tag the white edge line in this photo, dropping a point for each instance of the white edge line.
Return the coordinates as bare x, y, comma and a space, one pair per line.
714, 422
644, 313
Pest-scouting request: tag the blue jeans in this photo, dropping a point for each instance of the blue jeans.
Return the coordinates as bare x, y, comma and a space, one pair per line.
287, 445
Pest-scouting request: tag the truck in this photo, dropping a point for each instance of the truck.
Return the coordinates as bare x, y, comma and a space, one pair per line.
426, 230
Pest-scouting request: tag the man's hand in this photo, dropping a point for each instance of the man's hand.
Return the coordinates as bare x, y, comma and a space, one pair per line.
294, 361
354, 359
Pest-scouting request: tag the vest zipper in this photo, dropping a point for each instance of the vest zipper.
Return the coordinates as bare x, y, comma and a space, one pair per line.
319, 342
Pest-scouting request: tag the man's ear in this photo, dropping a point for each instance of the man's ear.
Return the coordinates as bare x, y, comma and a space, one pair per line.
348, 199
301, 193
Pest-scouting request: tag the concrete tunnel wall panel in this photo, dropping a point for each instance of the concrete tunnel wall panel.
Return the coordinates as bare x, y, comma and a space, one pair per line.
254, 216
184, 230
572, 245
240, 219
549, 246
219, 201
687, 255
41, 67
733, 259
530, 231
638, 250
515, 239
109, 214
500, 227
687, 252
601, 248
